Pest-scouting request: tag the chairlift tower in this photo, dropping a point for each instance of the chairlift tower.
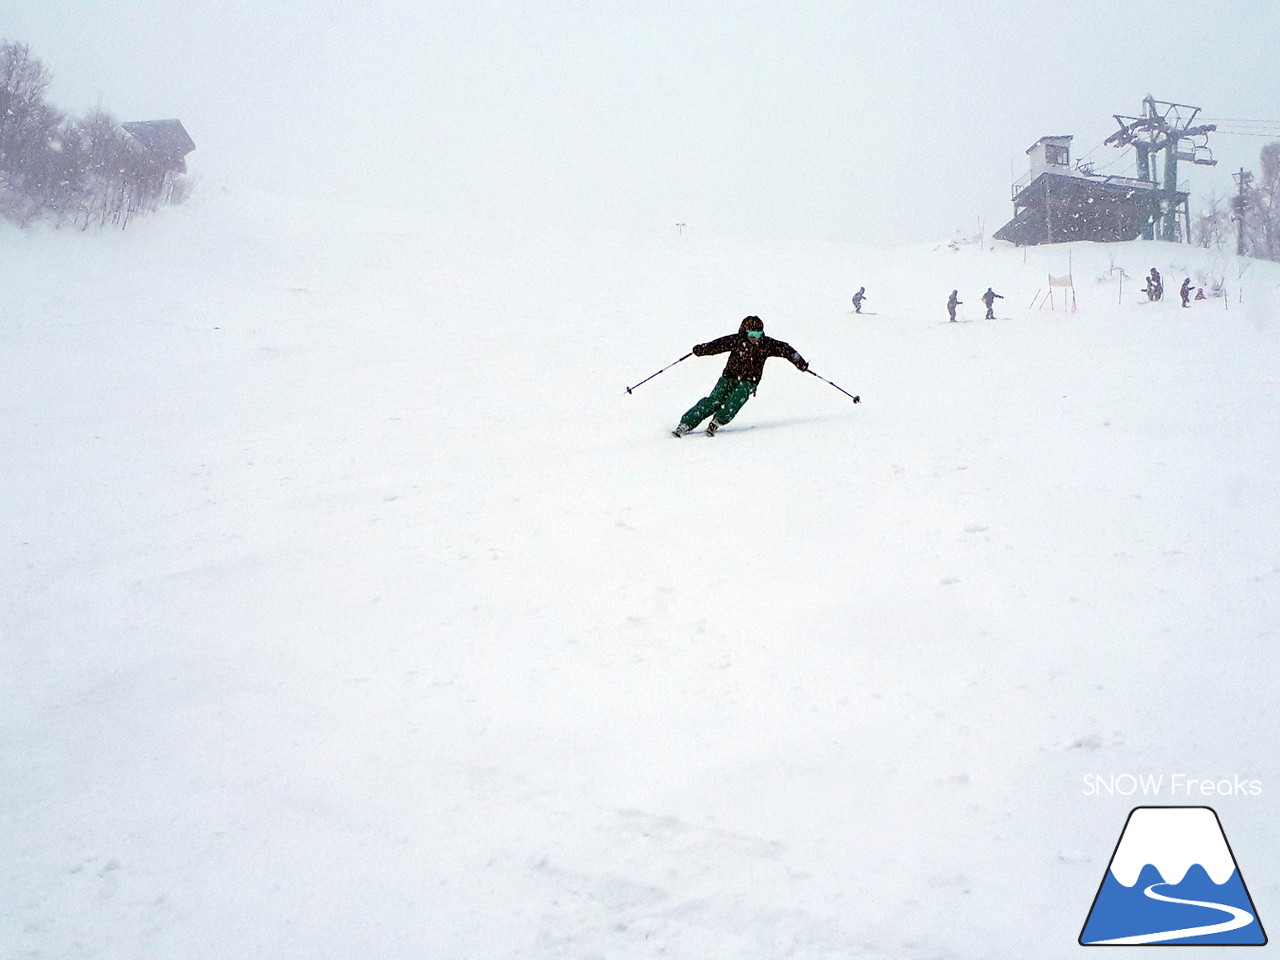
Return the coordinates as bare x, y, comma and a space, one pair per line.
1239, 203
1164, 126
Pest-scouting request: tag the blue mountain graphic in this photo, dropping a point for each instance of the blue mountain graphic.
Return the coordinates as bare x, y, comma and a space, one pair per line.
1120, 911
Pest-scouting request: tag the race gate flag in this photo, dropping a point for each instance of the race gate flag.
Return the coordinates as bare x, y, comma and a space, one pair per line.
1172, 880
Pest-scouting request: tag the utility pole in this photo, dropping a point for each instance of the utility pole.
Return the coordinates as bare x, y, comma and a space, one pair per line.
1238, 203
1163, 126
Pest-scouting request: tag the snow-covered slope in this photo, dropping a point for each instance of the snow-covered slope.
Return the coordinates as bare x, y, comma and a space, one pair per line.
352, 608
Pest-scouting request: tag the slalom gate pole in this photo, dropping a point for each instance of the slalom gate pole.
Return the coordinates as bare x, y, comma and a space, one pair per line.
841, 389
663, 370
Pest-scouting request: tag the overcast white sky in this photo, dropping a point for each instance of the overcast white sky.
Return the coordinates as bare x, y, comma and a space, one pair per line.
857, 120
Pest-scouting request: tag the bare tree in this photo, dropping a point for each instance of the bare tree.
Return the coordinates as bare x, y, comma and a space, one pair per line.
25, 119
1262, 216
29, 161
1213, 227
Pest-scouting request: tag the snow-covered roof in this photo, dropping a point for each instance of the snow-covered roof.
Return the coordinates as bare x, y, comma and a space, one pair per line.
1054, 140
161, 136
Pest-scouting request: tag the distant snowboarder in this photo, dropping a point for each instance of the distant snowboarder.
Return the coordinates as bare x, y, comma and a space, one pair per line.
952, 304
990, 298
748, 349
1185, 291
858, 298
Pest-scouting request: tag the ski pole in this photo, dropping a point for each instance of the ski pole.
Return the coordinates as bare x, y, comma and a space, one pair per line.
663, 370
841, 389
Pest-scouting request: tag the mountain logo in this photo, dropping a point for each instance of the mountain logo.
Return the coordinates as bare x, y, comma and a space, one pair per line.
1172, 880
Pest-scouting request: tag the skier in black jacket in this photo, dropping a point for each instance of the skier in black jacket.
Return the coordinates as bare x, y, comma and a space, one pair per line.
748, 349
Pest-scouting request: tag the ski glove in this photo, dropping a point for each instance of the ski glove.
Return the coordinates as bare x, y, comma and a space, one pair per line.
801, 364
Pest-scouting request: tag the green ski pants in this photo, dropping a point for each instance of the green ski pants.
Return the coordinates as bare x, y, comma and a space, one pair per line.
722, 404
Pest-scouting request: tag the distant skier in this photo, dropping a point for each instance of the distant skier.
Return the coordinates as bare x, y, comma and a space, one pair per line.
858, 298
1155, 285
990, 298
1185, 292
952, 304
748, 349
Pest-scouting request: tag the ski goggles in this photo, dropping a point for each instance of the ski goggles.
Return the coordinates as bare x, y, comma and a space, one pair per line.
755, 334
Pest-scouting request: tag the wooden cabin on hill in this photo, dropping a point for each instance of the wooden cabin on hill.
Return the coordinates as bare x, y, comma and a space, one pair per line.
165, 141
